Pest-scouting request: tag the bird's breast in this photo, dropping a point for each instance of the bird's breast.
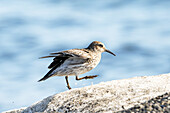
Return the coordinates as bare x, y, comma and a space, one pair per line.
95, 60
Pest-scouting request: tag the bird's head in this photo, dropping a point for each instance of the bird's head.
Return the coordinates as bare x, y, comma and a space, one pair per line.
99, 47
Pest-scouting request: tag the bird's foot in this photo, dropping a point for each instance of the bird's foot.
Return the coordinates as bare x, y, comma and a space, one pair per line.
69, 87
86, 77
90, 77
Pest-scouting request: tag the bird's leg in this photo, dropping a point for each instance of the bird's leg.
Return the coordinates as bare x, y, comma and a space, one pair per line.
68, 86
86, 77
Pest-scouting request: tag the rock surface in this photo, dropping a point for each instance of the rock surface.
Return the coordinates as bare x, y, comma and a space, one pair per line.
147, 93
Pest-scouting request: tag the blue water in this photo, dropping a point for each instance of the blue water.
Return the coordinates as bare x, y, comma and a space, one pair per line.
138, 32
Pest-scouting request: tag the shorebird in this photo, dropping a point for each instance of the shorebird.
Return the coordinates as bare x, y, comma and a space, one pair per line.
74, 62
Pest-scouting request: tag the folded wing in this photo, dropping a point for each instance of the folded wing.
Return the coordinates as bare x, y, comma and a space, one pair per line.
68, 57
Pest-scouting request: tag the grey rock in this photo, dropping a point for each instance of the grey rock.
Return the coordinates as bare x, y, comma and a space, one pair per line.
139, 94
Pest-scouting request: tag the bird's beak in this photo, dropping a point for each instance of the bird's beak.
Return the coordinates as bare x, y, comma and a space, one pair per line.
110, 52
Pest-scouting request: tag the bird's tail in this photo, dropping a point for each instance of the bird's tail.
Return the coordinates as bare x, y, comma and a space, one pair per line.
53, 66
44, 78
48, 75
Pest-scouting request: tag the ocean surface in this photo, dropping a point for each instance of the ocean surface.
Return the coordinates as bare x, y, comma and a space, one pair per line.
138, 32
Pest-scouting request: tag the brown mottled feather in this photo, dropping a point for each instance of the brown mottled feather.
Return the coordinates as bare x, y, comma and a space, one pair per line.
59, 56
60, 59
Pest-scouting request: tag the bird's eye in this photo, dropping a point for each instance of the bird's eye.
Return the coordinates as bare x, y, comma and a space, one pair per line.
100, 45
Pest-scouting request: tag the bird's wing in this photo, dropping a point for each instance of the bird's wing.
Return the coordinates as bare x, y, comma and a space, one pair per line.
76, 53
68, 57
74, 56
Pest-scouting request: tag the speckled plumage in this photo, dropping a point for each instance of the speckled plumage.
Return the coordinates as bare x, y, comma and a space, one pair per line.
75, 61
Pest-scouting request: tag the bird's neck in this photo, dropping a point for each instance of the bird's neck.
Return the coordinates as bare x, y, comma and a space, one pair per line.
92, 49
